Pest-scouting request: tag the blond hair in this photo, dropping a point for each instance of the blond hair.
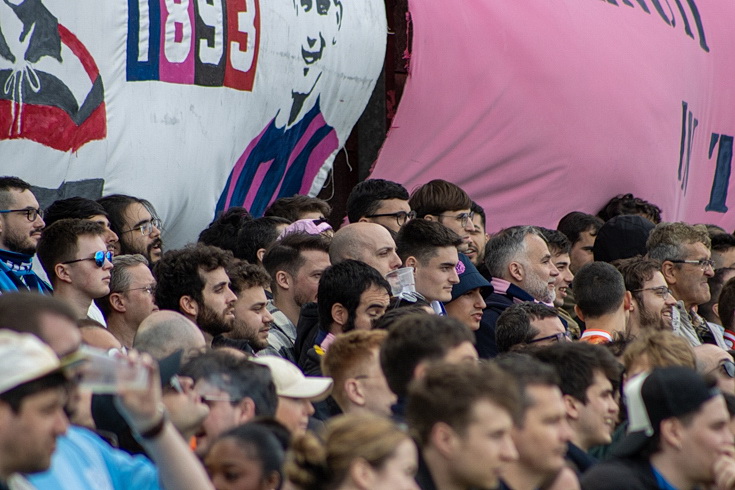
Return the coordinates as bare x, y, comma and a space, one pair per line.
662, 348
315, 465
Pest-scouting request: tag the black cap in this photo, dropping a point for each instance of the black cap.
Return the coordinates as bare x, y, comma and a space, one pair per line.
622, 237
664, 393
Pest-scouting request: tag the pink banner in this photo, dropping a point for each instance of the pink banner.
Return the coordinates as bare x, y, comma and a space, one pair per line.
541, 108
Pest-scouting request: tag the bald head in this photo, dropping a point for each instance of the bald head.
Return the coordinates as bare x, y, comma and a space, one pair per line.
367, 242
164, 332
711, 360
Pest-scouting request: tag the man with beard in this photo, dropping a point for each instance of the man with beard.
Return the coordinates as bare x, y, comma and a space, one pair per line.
137, 226
193, 281
352, 295
651, 302
686, 264
252, 319
522, 269
478, 239
21, 222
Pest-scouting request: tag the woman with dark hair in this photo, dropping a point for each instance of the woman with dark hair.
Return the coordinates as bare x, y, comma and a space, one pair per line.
248, 457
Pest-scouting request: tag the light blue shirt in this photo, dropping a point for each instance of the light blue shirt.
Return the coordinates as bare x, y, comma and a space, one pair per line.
83, 460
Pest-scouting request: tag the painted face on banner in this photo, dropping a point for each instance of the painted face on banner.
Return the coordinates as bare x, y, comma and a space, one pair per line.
318, 22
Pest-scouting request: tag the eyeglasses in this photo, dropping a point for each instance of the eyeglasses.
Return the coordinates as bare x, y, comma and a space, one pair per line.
145, 228
99, 258
217, 398
703, 263
557, 337
401, 216
148, 289
661, 291
463, 218
727, 367
31, 213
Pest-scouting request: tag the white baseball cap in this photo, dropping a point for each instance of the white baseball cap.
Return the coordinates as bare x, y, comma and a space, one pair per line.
291, 382
24, 358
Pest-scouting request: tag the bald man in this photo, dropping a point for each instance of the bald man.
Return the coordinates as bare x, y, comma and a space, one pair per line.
164, 332
715, 361
367, 242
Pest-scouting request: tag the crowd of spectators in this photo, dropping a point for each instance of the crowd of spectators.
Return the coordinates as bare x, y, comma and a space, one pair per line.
409, 348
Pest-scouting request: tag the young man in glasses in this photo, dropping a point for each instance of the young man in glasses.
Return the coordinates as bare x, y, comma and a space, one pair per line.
651, 303
447, 204
74, 255
136, 224
131, 299
379, 201
686, 264
21, 222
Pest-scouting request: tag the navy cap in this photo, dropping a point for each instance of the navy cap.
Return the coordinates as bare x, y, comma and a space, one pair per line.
469, 278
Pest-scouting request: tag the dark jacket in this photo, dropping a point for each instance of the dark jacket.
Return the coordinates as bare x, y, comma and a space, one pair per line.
239, 344
423, 475
306, 331
580, 460
497, 303
630, 474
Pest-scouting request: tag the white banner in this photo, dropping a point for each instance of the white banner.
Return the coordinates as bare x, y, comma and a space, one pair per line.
191, 104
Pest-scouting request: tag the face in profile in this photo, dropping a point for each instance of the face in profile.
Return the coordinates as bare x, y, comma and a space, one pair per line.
398, 471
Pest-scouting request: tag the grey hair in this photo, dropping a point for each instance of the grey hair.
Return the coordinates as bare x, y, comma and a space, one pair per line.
507, 246
119, 277
667, 239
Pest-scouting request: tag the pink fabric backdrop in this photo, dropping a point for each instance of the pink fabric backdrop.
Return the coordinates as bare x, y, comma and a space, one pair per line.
541, 108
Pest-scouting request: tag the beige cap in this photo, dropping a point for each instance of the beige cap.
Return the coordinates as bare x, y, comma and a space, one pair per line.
291, 382
23, 358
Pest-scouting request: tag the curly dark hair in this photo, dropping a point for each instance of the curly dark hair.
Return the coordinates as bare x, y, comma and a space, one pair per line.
629, 204
177, 273
223, 231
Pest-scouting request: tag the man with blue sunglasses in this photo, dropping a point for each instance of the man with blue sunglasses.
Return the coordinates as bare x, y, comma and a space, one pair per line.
74, 255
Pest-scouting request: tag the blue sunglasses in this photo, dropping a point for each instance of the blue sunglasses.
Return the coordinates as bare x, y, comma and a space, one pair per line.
99, 258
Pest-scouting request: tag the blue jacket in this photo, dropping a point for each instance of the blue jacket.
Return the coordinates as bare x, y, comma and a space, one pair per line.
16, 274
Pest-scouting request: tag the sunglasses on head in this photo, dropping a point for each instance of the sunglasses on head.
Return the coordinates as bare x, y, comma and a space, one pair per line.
728, 367
99, 258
